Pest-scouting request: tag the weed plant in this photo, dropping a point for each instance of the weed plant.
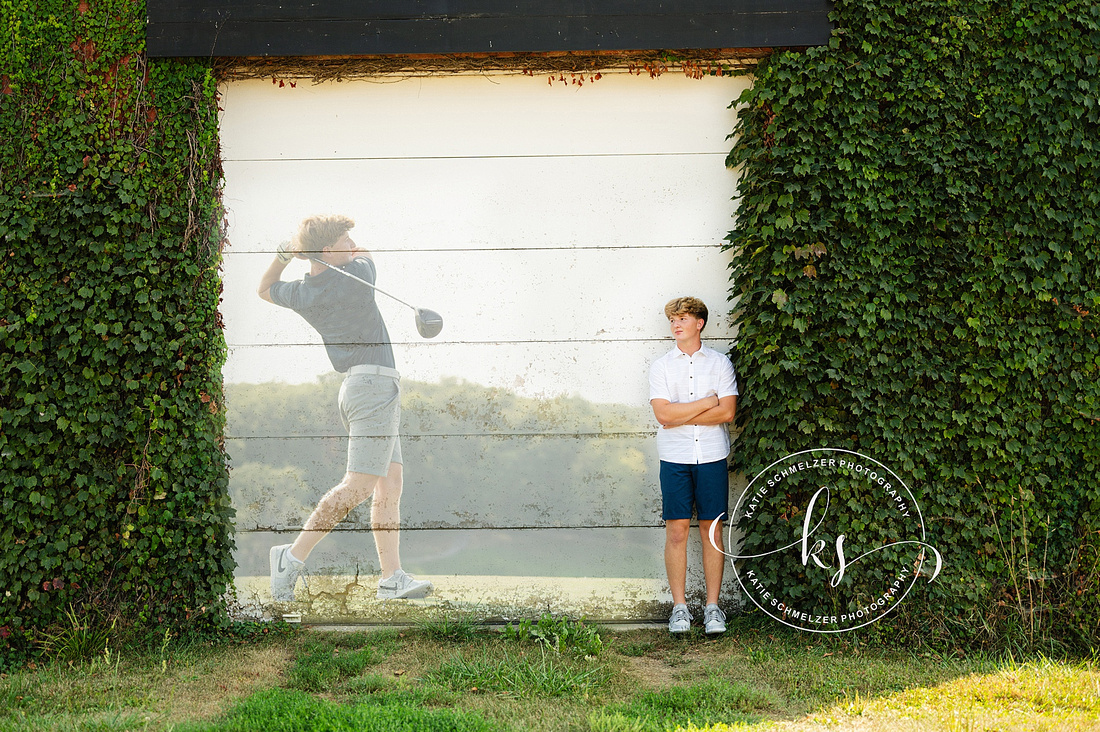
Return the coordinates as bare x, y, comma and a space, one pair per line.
560, 633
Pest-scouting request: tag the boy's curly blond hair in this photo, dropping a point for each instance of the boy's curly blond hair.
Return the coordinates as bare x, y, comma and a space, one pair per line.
692, 306
318, 232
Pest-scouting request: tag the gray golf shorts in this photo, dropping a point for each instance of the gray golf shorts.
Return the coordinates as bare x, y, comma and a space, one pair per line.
370, 407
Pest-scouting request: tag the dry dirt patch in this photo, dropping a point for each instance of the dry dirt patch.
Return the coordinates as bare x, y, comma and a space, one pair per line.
652, 673
207, 688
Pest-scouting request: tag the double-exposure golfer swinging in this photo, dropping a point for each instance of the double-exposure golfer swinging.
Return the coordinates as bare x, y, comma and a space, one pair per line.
336, 300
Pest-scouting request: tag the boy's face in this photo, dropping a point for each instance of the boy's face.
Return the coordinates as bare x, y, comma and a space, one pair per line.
342, 252
685, 328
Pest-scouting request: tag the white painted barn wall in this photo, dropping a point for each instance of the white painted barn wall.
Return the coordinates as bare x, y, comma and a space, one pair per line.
548, 224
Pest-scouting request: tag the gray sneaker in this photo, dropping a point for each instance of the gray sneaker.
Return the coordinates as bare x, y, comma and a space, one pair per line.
680, 620
401, 586
285, 571
714, 620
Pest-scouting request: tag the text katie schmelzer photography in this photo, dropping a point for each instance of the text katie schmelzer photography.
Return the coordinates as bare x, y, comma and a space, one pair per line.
832, 540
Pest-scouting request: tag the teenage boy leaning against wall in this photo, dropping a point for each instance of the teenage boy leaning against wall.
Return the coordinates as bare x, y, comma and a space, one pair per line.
693, 392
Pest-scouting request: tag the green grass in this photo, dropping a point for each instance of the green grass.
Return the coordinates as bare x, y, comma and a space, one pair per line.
703, 703
543, 674
637, 649
445, 677
325, 660
286, 710
451, 629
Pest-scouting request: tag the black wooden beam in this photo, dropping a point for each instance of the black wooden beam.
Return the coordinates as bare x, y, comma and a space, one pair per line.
233, 28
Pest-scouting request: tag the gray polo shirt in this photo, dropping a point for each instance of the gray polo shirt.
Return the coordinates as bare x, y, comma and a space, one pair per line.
343, 311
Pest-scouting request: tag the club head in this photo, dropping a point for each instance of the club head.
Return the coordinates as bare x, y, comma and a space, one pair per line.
428, 323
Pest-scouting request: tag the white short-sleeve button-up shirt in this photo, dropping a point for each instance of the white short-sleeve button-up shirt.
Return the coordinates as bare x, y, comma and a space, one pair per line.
679, 378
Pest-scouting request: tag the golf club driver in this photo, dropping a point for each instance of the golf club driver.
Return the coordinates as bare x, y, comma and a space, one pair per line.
428, 322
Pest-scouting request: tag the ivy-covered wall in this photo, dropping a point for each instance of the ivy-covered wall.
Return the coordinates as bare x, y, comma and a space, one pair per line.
917, 255
112, 474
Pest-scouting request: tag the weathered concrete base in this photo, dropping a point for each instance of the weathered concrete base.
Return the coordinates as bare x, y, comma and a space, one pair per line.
603, 574
336, 599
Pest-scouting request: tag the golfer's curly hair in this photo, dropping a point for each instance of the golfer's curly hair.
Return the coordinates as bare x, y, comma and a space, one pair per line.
692, 306
318, 232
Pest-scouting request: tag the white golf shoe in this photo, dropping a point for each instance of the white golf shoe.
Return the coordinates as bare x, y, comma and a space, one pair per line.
285, 571
401, 586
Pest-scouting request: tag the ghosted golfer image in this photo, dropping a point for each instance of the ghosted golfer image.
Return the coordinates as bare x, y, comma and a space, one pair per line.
345, 313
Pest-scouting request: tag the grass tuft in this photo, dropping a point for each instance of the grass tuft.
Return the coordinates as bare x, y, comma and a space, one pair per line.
451, 630
77, 640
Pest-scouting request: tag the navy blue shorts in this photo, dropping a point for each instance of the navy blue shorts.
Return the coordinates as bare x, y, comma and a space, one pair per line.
705, 487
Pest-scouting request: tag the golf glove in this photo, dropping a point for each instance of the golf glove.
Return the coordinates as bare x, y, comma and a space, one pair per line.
283, 252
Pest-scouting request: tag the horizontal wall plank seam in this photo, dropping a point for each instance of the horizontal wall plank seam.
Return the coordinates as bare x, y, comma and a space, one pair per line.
462, 250
448, 435
287, 528
532, 156
478, 343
